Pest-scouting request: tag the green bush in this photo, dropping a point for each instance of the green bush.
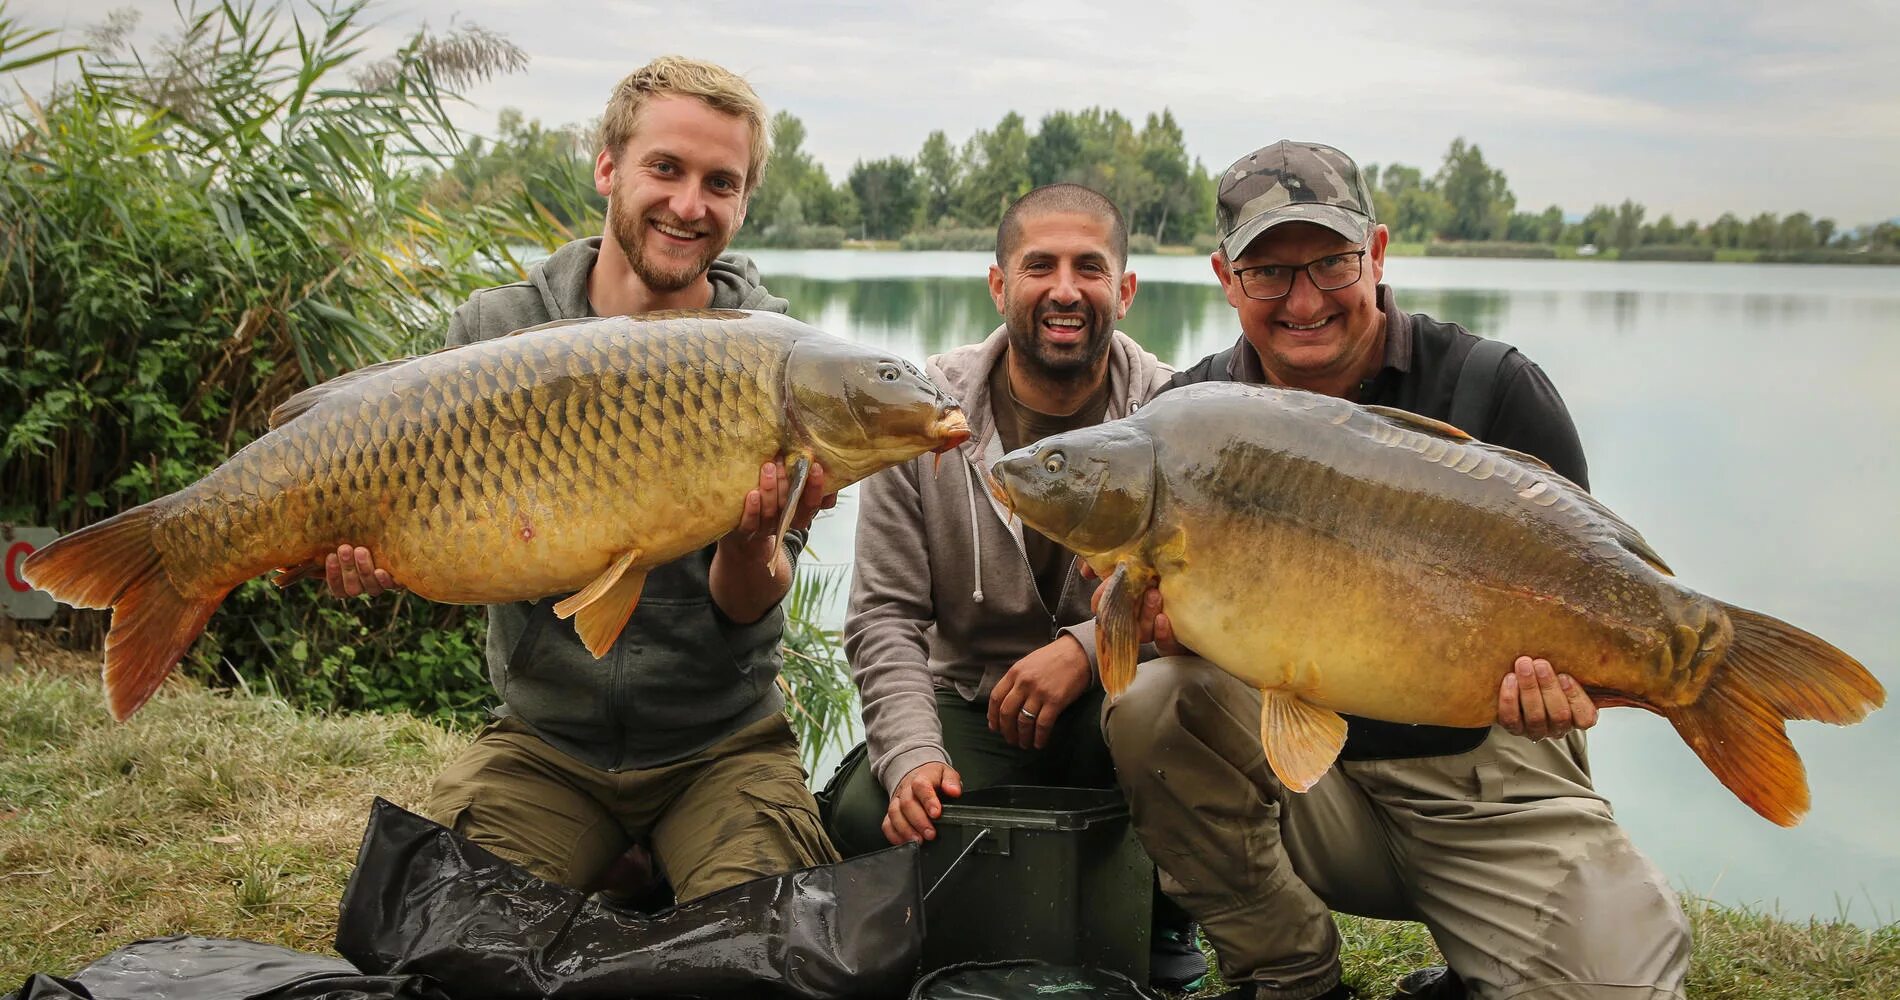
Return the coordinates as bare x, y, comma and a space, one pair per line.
799, 237
950, 239
1142, 243
1879, 257
189, 236
1669, 252
1490, 248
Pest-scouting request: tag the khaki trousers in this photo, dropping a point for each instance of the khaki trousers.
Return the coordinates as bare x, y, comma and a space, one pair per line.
736, 811
1505, 853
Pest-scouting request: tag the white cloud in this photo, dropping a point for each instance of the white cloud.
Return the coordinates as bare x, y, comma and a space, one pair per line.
1690, 107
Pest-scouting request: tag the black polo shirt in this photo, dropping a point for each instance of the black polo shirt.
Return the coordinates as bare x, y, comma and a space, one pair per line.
1423, 358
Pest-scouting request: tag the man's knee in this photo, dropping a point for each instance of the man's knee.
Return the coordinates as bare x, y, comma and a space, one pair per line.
1172, 699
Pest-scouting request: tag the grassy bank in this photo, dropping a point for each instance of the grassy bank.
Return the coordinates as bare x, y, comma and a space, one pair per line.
235, 815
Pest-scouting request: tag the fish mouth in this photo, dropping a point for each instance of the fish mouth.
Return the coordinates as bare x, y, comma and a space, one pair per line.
997, 489
951, 429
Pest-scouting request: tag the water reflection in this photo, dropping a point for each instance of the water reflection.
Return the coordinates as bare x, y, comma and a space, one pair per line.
1742, 417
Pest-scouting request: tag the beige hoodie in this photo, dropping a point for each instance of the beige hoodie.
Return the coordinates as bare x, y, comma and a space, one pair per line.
942, 595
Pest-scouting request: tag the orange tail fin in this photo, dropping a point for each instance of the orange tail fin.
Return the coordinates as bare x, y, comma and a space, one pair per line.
1773, 672
113, 564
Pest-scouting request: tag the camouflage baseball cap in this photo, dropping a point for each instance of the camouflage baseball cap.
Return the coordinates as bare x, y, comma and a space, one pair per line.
1291, 182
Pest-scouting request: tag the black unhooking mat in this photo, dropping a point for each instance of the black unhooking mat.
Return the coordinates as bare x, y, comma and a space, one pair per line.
425, 901
196, 968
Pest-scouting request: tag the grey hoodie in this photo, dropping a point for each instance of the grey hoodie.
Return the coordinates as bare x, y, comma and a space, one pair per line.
682, 676
942, 595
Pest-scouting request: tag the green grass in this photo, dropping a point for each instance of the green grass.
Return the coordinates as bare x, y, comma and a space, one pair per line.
237, 815
208, 813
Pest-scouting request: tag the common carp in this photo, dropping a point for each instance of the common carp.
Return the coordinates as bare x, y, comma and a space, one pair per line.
1366, 560
570, 457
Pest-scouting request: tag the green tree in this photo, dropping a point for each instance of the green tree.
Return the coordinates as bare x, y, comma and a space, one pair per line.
1179, 194
1796, 232
1537, 227
1627, 230
1479, 198
888, 196
939, 174
792, 170
1762, 232
552, 169
995, 172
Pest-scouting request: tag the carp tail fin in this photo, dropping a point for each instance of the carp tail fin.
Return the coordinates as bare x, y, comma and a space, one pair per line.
114, 564
1772, 672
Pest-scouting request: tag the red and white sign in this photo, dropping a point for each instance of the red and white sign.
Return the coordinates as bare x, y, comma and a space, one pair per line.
17, 598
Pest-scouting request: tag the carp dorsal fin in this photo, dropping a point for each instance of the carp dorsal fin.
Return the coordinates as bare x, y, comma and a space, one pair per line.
553, 324
1437, 428
1301, 739
296, 406
1620, 529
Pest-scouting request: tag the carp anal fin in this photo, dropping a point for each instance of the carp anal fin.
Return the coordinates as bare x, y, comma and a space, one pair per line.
602, 608
1301, 739
800, 471
1116, 645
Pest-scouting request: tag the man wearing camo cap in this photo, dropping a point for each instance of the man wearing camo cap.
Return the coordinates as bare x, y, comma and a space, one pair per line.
1493, 837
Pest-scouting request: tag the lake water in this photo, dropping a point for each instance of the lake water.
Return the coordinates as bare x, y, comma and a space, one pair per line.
1744, 417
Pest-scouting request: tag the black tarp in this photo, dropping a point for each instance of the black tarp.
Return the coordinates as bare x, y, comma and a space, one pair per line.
198, 968
425, 901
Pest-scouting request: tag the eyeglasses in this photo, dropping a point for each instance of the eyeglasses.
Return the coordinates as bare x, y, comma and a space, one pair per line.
1274, 281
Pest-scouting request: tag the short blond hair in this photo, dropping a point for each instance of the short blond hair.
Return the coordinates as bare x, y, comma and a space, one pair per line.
722, 90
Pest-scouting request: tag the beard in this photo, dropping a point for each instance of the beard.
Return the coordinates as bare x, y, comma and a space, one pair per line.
1060, 362
659, 272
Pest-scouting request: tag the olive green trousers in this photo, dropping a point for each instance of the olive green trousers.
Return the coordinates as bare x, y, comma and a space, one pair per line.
736, 811
1076, 757
1505, 853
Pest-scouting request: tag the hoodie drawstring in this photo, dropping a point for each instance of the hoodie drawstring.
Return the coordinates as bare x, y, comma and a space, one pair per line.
976, 536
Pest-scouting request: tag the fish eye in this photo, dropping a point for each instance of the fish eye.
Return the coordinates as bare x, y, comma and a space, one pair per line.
888, 372
1054, 463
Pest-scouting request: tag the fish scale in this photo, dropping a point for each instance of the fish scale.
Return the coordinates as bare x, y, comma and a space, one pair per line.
582, 452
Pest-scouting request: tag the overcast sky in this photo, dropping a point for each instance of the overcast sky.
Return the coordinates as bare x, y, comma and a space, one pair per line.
1692, 108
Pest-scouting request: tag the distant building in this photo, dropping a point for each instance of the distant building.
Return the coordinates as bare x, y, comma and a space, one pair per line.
1587, 250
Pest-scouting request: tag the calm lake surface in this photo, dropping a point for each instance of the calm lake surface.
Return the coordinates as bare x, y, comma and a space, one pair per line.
1745, 418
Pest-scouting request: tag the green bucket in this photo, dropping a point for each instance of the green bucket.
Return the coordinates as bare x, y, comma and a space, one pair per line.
1027, 872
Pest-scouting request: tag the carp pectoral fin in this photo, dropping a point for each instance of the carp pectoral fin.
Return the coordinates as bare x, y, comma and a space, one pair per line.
284, 576
1301, 738
601, 610
800, 471
1116, 630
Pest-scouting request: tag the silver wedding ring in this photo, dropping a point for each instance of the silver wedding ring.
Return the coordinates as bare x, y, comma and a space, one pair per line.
1027, 714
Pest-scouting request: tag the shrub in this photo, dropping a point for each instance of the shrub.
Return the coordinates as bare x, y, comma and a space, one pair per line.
950, 239
189, 236
1669, 252
1490, 248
